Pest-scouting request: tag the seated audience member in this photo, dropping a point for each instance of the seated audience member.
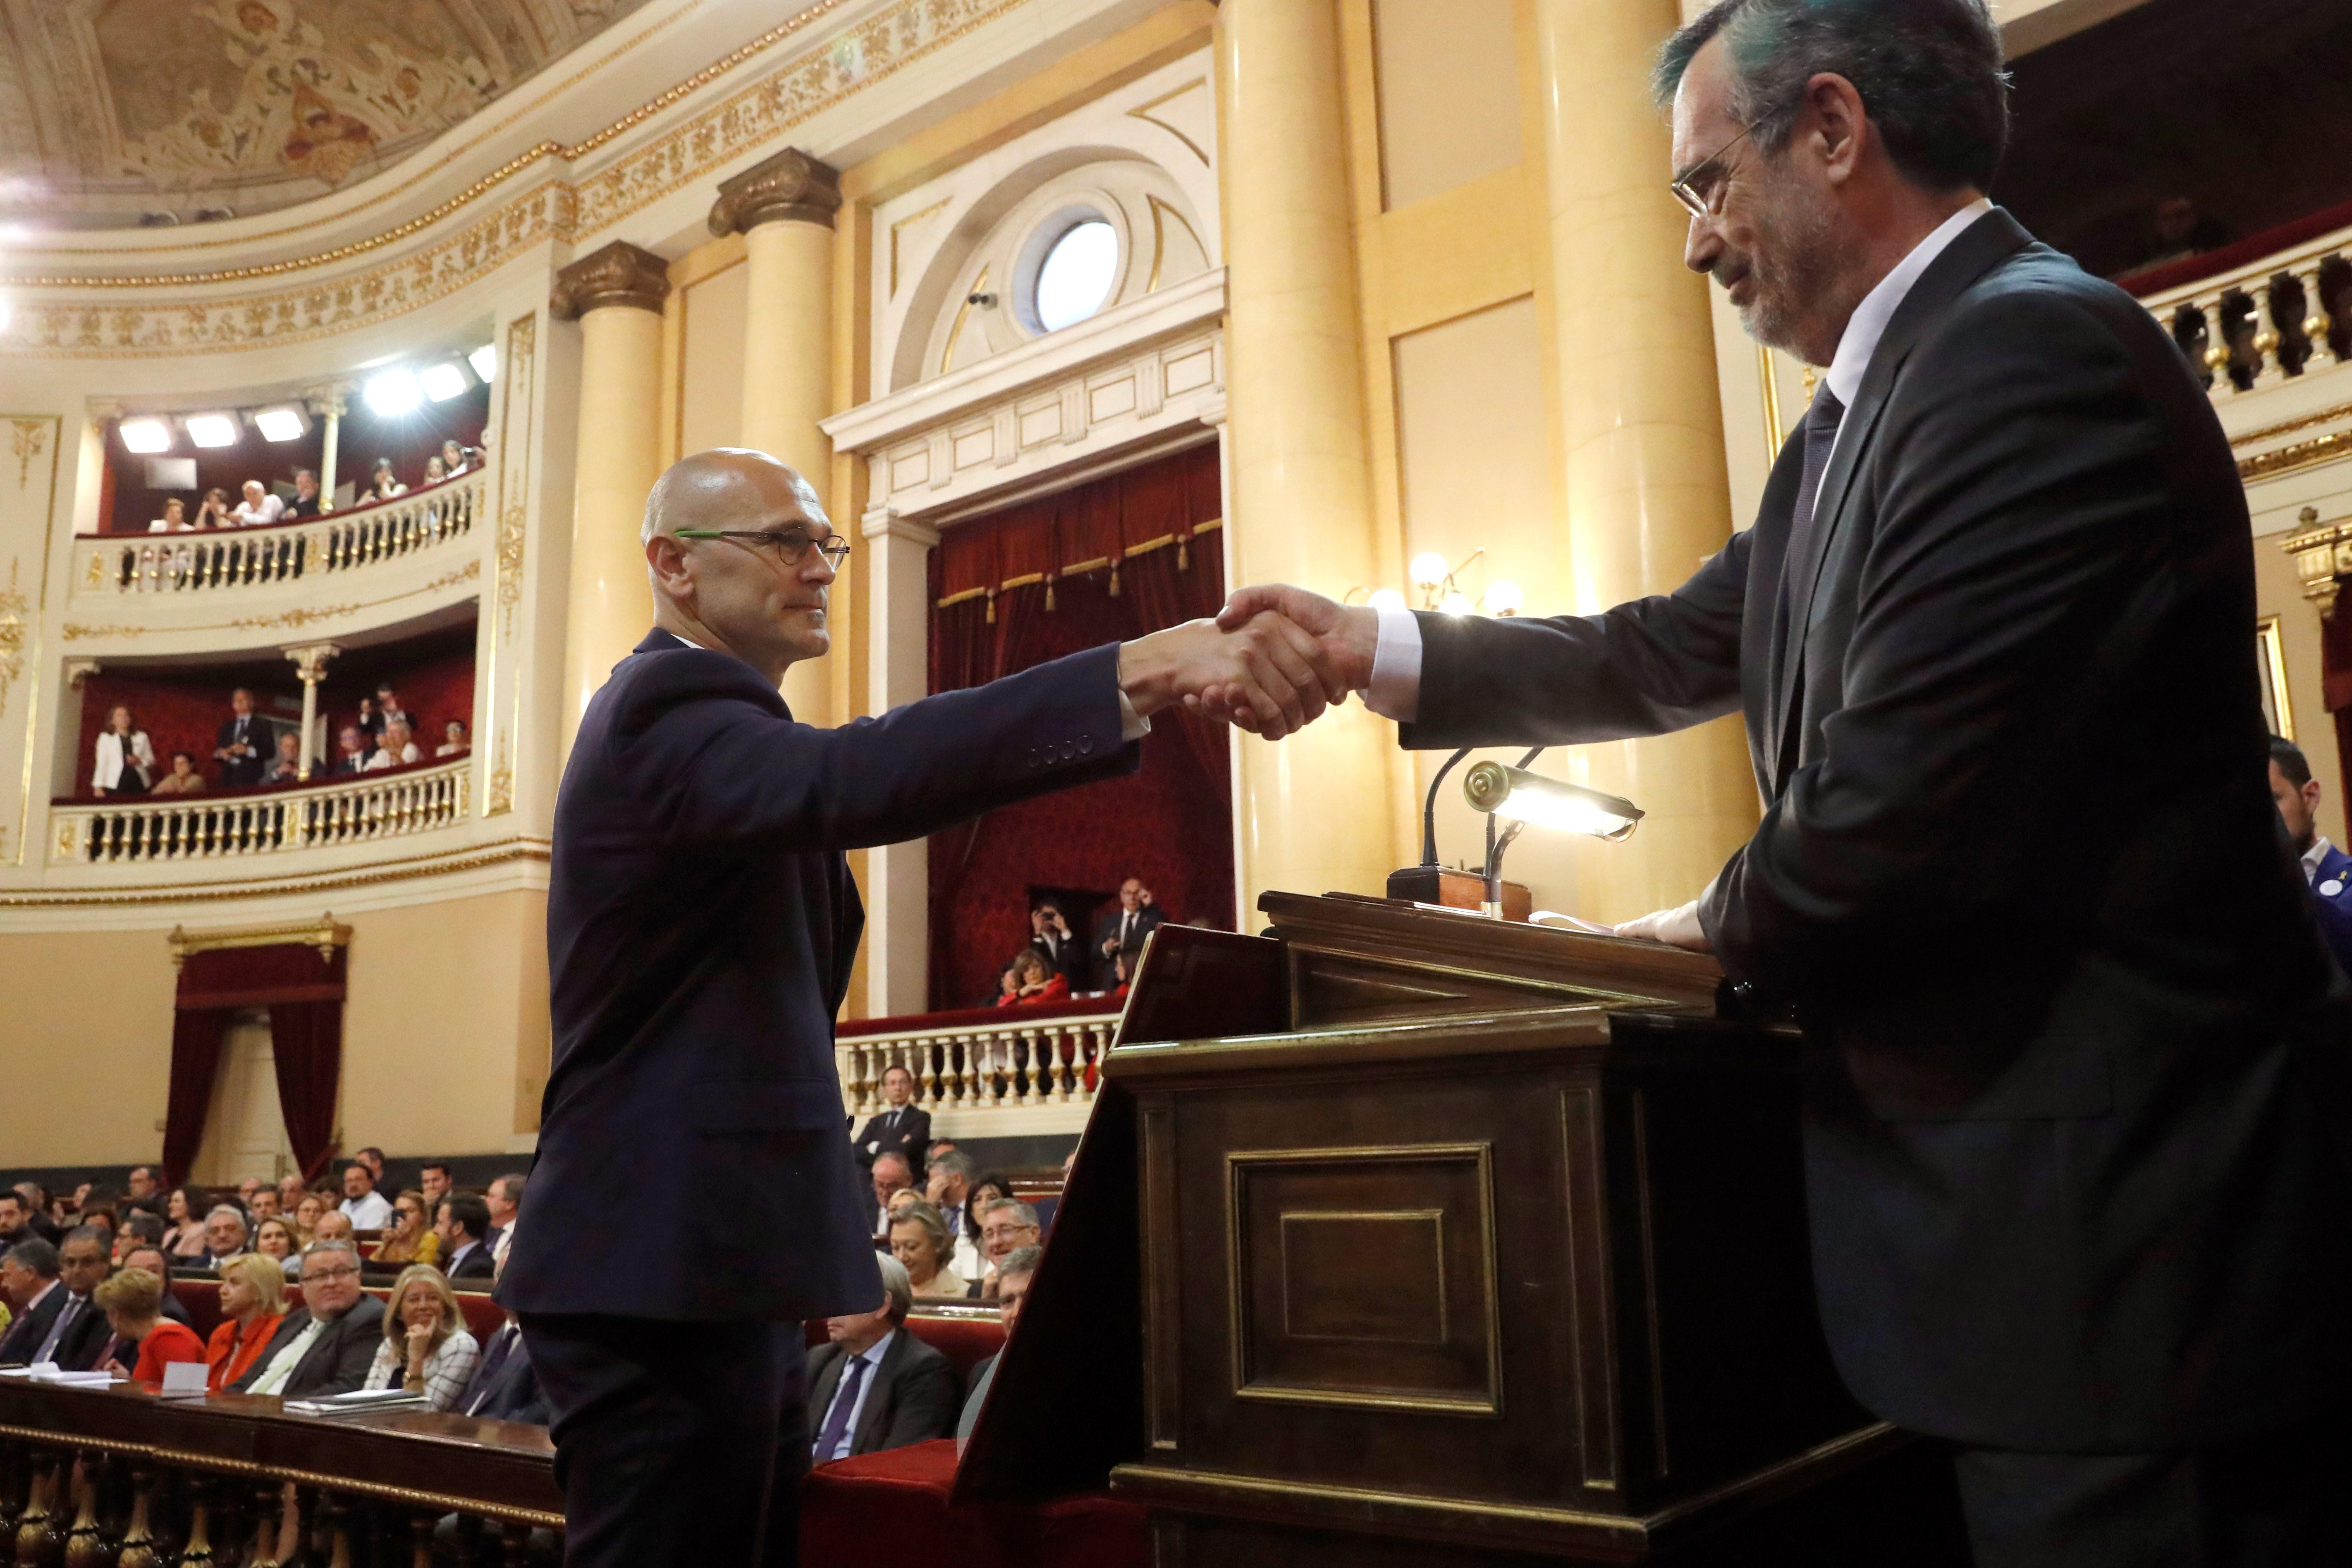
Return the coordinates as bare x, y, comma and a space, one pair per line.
139, 1189
381, 485
1020, 1266
985, 1190
2327, 869
243, 742
352, 750
363, 1204
125, 757
307, 1210
1033, 981
185, 1212
28, 1278
394, 749
36, 1213
175, 519
245, 1191
425, 1348
212, 511
389, 710
306, 502
15, 1220
872, 1386
919, 1239
900, 1126
1052, 939
335, 1226
141, 1229
327, 1344
1122, 928
949, 1189
273, 1238
1007, 1226
290, 1189
505, 1200
370, 721
410, 1239
226, 1234
453, 740
456, 458
285, 768
142, 1339
435, 471
372, 1158
183, 779
461, 1224
433, 1185
263, 1205
901, 1201
258, 506
151, 1260
504, 1387
252, 1304
83, 1258
890, 1175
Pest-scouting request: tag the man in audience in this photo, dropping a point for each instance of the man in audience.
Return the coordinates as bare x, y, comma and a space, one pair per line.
29, 1276
246, 1189
388, 707
257, 507
352, 750
372, 1158
503, 1387
138, 1229
16, 1219
1020, 1266
396, 748
291, 1188
900, 1128
286, 767
264, 1206
1007, 1226
335, 1226
225, 1235
243, 742
73, 1338
306, 495
1058, 945
949, 1185
327, 1344
2327, 869
505, 1200
461, 1221
141, 1255
1121, 930
139, 1192
891, 1174
36, 1201
362, 1202
433, 1183
872, 1386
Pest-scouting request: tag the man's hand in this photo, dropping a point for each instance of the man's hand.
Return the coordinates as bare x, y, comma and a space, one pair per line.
1675, 927
1268, 673
1342, 638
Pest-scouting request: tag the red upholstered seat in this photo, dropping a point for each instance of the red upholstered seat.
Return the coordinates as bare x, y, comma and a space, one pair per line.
965, 1341
900, 1496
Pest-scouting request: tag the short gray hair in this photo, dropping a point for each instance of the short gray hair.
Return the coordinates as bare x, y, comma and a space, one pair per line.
231, 1210
901, 1288
955, 1162
332, 1244
1022, 1212
1021, 1260
1928, 72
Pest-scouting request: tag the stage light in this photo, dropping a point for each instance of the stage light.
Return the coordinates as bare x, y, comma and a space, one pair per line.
284, 422
444, 380
1504, 598
1387, 599
394, 393
485, 360
1428, 570
146, 435
1523, 796
211, 430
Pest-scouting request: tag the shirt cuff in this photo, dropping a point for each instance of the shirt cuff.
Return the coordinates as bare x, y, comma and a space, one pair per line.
1132, 726
1395, 690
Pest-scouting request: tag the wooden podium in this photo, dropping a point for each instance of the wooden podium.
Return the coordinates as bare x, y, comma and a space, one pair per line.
1446, 1240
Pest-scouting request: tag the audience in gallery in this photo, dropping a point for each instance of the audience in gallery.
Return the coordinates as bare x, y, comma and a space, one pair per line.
409, 1239
326, 1345
212, 511
253, 1304
435, 471
351, 749
381, 485
184, 1212
285, 768
363, 1204
389, 711
244, 737
919, 1241
305, 502
873, 1387
898, 1127
1028, 980
1120, 933
426, 1349
370, 721
175, 519
1007, 1226
394, 748
1052, 939
454, 741
258, 508
183, 779
126, 758
1020, 1266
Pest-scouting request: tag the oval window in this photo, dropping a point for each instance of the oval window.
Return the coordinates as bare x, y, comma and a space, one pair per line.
1077, 275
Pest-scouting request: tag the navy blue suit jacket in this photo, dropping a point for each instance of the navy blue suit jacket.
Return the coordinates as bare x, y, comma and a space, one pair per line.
700, 925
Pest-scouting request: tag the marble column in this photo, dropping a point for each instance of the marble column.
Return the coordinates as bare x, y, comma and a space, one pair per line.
616, 296
898, 887
783, 209
328, 405
310, 663
1314, 812
1641, 428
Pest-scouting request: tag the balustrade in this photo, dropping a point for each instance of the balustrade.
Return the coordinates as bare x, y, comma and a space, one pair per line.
983, 1061
289, 552
2286, 316
197, 827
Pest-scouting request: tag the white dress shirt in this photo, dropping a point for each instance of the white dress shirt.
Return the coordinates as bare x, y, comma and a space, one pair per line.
249, 515
446, 1370
370, 1213
2313, 856
1395, 689
281, 1365
872, 1356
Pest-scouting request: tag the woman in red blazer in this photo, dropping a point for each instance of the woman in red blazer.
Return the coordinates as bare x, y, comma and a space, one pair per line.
253, 1304
133, 1302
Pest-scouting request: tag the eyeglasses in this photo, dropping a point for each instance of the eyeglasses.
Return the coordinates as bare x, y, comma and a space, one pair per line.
1701, 191
323, 1275
788, 546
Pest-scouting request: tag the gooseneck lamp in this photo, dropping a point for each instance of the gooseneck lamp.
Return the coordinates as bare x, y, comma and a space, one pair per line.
1528, 799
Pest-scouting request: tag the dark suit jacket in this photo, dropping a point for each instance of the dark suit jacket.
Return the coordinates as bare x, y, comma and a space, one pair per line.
337, 1361
242, 773
700, 924
911, 1138
27, 1330
1068, 958
504, 1387
478, 1264
2074, 1065
913, 1399
1147, 919
78, 1350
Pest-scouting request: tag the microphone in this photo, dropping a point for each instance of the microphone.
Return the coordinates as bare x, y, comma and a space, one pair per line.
1421, 884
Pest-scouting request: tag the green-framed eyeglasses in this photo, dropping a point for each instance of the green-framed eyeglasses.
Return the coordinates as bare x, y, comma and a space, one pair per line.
789, 546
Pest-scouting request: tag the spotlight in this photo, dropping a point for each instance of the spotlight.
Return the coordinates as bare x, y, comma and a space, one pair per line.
1504, 598
444, 380
211, 429
284, 422
1387, 599
394, 393
1428, 570
485, 360
146, 435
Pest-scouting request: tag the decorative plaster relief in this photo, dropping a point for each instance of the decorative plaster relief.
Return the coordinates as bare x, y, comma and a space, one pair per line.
27, 495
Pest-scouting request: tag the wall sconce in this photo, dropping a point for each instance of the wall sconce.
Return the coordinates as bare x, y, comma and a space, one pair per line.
1435, 582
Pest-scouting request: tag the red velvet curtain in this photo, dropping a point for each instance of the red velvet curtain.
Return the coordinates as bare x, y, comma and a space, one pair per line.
303, 988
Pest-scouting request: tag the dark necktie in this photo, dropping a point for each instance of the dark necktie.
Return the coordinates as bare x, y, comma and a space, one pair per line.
1820, 433
66, 1316
837, 1420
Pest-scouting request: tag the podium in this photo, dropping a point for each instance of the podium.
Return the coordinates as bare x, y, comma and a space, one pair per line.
1444, 1240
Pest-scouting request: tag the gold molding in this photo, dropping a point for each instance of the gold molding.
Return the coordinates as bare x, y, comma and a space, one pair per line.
1160, 213
2303, 453
324, 933
520, 848
909, 221
2269, 633
1143, 111
964, 313
2289, 426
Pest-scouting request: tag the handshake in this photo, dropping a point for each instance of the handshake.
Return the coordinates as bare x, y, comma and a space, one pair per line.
1270, 662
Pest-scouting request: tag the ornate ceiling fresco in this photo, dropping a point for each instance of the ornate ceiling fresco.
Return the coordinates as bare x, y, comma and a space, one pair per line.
111, 111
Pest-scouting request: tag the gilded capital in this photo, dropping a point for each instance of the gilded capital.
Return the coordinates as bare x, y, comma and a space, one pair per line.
328, 399
791, 187
2322, 556
311, 660
619, 274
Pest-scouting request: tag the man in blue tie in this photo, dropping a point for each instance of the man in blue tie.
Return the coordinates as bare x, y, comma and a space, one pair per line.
876, 1386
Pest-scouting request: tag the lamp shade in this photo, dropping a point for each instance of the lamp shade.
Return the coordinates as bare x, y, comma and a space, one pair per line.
1521, 797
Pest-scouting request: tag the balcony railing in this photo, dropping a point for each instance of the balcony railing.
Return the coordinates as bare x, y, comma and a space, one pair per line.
390, 804
2259, 325
289, 552
983, 1061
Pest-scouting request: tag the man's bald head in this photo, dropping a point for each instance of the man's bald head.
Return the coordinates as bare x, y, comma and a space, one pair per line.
706, 490
728, 536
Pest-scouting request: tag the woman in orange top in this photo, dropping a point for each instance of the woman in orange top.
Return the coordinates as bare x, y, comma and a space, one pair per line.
253, 1304
134, 1303
1030, 981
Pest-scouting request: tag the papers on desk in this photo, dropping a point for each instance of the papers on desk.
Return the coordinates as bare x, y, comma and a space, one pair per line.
47, 1372
1571, 922
357, 1401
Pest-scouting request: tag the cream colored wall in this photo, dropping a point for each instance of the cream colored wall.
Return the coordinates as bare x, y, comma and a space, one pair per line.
710, 401
87, 1016
1449, 108
2279, 592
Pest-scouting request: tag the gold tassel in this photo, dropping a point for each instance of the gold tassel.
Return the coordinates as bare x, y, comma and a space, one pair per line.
992, 606
1049, 595
1114, 576
1183, 552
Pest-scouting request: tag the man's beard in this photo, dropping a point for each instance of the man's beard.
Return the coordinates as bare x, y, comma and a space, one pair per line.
1791, 274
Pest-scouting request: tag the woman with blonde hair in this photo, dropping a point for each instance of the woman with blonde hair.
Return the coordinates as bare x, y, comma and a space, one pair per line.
919, 1238
253, 1304
425, 1348
133, 1302
412, 1238
126, 758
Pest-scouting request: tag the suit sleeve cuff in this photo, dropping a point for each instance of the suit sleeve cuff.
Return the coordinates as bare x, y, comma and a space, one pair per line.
1395, 690
1132, 726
